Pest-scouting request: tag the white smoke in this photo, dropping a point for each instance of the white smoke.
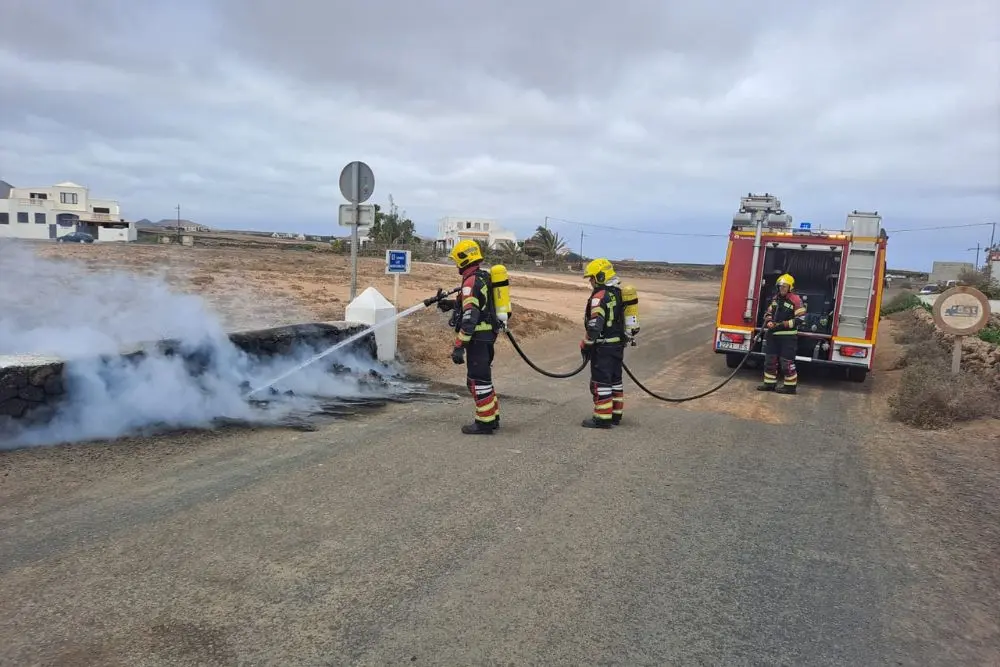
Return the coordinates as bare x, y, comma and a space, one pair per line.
60, 308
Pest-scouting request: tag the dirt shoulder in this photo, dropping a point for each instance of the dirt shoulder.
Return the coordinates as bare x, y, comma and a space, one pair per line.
934, 461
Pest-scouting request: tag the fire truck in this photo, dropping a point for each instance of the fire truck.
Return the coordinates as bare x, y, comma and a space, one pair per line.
838, 274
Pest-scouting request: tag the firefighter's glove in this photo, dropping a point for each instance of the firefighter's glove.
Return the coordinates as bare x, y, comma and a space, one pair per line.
585, 349
444, 305
458, 355
769, 325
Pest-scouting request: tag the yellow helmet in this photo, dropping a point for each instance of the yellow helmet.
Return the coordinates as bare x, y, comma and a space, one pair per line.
785, 279
600, 270
466, 252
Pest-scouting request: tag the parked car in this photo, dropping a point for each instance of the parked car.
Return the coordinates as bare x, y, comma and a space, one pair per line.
930, 289
76, 237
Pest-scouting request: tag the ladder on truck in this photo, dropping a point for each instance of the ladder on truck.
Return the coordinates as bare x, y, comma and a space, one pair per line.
859, 274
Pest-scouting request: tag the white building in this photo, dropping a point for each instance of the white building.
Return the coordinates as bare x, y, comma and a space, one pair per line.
487, 232
53, 211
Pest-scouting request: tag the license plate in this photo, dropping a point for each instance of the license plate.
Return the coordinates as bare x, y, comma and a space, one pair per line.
728, 345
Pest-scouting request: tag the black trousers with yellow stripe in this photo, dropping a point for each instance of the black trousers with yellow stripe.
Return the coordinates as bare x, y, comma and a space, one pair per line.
606, 381
780, 347
479, 378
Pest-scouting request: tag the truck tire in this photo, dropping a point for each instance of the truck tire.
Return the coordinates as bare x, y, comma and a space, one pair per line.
857, 374
733, 359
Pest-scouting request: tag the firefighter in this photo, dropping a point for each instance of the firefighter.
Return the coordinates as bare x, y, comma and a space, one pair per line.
781, 321
476, 326
604, 344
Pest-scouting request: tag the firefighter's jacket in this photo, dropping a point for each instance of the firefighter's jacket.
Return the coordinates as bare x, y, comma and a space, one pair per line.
476, 316
604, 317
786, 312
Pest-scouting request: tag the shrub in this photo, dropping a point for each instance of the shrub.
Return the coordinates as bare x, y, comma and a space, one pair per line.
900, 302
910, 329
990, 334
982, 282
929, 396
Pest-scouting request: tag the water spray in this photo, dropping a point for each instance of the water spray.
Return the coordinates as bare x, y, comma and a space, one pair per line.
354, 337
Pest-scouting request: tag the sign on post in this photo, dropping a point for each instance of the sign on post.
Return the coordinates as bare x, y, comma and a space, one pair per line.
357, 184
397, 261
348, 214
961, 311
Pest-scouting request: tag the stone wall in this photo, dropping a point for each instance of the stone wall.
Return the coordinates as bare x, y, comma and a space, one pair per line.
977, 355
30, 391
32, 387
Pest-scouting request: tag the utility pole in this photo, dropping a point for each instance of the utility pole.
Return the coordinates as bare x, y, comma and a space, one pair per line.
581, 246
546, 222
989, 253
178, 223
977, 249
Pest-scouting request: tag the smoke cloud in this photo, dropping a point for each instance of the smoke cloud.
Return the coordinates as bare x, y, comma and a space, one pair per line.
62, 309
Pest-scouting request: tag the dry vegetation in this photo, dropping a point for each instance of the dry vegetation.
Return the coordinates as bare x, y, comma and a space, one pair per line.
928, 395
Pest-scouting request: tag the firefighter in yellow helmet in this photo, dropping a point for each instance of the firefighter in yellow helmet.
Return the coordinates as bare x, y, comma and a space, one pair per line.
476, 326
604, 344
781, 322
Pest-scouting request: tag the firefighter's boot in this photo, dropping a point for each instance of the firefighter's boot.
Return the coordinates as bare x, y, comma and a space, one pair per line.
616, 420
481, 428
786, 389
767, 386
590, 422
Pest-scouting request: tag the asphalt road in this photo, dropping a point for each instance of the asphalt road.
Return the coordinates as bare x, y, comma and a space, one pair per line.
740, 530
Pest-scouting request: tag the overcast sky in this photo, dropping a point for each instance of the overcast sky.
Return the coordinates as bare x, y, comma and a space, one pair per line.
640, 114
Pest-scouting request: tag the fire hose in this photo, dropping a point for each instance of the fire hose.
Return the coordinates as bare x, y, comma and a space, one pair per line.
650, 392
517, 348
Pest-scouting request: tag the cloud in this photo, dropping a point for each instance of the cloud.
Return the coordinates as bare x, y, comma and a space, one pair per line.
641, 114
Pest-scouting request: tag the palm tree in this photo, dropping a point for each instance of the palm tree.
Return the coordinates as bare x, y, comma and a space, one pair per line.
546, 243
509, 252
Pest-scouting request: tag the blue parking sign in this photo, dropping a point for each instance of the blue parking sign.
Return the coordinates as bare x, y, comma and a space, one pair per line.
805, 225
397, 261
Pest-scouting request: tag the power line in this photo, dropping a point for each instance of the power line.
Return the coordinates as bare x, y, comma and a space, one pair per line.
664, 233
927, 229
633, 231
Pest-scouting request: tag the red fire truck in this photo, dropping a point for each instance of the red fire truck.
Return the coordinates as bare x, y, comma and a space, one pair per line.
838, 273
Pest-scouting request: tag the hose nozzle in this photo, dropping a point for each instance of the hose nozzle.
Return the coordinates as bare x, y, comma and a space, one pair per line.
440, 295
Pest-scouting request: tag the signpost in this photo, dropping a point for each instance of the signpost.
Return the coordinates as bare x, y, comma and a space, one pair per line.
357, 183
397, 263
806, 226
961, 311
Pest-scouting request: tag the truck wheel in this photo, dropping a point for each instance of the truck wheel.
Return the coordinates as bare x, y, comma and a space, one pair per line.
733, 359
857, 374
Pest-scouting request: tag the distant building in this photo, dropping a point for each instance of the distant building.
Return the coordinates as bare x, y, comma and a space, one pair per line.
942, 272
48, 212
185, 225
487, 232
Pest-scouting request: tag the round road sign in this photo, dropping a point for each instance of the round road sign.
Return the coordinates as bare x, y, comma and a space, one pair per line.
962, 311
357, 182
